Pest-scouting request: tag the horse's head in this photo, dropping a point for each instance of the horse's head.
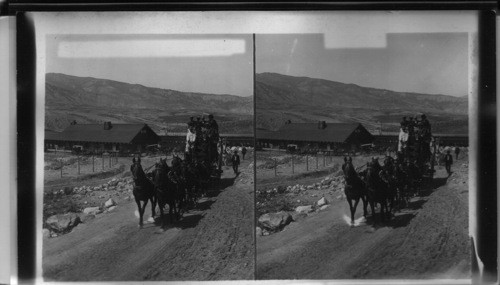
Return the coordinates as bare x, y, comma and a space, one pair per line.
136, 170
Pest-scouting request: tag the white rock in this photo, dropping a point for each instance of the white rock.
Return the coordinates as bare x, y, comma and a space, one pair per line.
46, 233
304, 209
111, 208
258, 231
322, 202
91, 210
63, 222
324, 207
275, 221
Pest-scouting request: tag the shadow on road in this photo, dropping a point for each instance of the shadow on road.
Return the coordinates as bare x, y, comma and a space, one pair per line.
216, 188
189, 221
401, 220
186, 221
205, 205
415, 205
438, 182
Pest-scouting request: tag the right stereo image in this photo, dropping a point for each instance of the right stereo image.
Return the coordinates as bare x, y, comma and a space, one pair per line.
362, 150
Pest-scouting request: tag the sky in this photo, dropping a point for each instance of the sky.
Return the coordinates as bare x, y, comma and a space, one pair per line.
431, 63
416, 51
215, 64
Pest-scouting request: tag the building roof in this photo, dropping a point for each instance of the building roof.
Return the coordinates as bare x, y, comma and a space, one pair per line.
396, 134
119, 133
333, 132
177, 134
51, 135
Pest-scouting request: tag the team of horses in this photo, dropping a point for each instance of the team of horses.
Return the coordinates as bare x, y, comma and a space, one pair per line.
179, 186
390, 185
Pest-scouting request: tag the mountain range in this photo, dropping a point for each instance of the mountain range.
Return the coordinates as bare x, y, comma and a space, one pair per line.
94, 100
278, 98
302, 99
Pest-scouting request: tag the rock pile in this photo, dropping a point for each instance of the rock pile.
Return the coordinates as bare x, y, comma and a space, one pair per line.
118, 184
59, 224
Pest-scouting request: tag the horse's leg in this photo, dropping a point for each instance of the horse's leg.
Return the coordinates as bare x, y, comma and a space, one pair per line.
138, 202
143, 209
349, 200
153, 205
172, 210
383, 206
372, 206
365, 205
356, 201
161, 204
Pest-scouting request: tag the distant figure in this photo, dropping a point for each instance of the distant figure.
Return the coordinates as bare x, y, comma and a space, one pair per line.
243, 152
457, 152
235, 159
448, 161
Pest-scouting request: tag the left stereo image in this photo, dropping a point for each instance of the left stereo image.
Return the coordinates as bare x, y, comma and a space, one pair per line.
147, 157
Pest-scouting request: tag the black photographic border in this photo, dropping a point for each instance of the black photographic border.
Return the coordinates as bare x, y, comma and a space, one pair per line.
487, 220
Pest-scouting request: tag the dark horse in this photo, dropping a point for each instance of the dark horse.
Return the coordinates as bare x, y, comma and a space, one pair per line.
388, 175
354, 188
165, 190
376, 190
143, 189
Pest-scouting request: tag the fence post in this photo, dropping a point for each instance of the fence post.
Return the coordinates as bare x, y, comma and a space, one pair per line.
293, 166
324, 160
307, 162
316, 161
93, 163
61, 167
102, 156
109, 160
275, 167
78, 159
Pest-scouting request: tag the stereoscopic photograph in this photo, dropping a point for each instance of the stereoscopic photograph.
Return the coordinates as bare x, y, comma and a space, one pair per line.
147, 152
277, 146
362, 150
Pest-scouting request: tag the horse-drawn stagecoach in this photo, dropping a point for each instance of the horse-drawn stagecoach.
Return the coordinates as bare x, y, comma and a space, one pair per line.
186, 179
399, 178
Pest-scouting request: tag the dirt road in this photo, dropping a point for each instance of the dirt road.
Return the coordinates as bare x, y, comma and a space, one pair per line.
429, 239
212, 242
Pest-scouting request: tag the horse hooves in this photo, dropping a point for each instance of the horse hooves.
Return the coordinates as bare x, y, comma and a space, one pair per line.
140, 226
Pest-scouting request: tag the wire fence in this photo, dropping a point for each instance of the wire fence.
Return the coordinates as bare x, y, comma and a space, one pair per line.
289, 164
76, 165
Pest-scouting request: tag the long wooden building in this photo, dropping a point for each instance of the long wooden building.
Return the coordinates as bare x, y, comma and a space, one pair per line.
316, 136
103, 137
